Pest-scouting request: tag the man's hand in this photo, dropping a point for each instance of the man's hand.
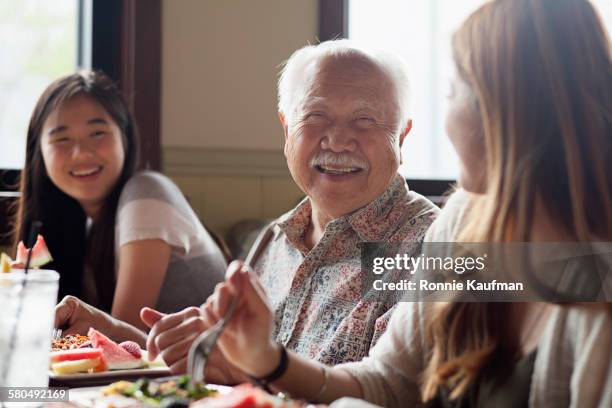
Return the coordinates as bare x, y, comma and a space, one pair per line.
74, 316
246, 341
172, 335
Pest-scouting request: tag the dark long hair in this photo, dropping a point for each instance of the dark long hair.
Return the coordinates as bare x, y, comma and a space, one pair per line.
63, 219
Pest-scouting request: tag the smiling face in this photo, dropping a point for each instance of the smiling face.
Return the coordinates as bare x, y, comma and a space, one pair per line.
342, 142
82, 148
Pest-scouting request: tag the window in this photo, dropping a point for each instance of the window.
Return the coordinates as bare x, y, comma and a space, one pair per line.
40, 42
43, 40
420, 32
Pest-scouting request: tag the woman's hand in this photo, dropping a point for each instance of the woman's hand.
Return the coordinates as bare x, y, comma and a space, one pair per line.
246, 341
74, 316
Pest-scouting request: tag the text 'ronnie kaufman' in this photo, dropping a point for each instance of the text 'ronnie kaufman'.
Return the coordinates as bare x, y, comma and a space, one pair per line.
470, 284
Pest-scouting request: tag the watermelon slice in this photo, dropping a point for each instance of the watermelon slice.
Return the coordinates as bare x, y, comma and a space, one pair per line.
116, 357
40, 253
78, 360
75, 354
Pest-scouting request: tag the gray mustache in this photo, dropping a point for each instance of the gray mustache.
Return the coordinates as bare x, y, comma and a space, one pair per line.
338, 160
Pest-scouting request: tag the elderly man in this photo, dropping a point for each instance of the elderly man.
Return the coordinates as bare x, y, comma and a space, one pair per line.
345, 114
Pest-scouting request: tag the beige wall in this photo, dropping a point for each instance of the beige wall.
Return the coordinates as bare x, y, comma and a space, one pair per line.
220, 64
219, 69
228, 185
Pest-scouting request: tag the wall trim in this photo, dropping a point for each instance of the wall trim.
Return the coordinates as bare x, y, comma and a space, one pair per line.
202, 161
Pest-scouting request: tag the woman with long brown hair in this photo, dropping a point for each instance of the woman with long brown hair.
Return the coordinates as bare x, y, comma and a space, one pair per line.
539, 83
120, 239
530, 120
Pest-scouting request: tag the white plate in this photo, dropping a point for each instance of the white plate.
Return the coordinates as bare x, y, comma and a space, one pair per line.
157, 369
91, 397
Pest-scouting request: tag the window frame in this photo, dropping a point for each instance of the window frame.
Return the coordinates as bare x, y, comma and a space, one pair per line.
333, 19
126, 45
125, 40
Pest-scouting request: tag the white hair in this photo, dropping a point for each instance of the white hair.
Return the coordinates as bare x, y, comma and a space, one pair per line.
292, 74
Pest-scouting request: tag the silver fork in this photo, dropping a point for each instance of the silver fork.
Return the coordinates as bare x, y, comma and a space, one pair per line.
56, 334
206, 342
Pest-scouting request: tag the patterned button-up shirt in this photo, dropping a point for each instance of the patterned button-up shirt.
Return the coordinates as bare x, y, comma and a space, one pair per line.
317, 294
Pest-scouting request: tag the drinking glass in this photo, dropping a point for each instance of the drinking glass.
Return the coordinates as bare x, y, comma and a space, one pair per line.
24, 359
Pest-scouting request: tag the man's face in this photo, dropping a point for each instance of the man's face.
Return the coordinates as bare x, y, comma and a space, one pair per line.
342, 143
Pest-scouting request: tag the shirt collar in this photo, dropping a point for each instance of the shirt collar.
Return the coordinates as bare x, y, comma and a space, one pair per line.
371, 222
295, 222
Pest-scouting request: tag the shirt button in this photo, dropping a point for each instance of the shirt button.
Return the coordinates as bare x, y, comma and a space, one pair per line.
285, 338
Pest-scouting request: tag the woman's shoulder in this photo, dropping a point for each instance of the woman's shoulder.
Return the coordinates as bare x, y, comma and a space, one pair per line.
146, 180
446, 226
151, 185
151, 206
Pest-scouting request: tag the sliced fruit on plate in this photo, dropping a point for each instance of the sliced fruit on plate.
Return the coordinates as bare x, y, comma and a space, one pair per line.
117, 358
40, 254
75, 354
245, 396
5, 263
70, 341
22, 253
131, 347
78, 366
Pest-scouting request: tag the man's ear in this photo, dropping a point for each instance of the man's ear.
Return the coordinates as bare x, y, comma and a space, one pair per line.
403, 135
405, 132
281, 117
